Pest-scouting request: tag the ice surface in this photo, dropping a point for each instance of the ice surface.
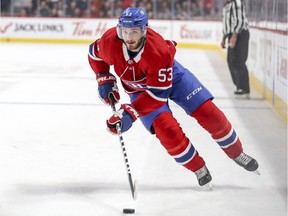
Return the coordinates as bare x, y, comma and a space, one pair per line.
57, 159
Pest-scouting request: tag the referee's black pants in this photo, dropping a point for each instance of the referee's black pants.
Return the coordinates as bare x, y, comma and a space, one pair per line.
236, 59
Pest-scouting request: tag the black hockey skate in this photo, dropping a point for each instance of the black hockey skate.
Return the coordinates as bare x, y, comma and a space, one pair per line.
247, 162
203, 176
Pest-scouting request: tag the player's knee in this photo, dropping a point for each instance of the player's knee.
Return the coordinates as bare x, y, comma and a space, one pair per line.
165, 123
209, 113
168, 130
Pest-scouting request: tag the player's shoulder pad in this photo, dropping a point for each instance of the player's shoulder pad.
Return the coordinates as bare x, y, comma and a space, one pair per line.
157, 47
109, 36
107, 43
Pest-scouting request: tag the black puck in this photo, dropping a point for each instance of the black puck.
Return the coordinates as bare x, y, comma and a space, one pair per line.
128, 211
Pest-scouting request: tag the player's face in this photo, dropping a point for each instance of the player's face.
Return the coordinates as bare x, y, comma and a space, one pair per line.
132, 37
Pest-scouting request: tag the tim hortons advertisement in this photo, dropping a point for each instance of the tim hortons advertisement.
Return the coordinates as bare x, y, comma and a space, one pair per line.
89, 29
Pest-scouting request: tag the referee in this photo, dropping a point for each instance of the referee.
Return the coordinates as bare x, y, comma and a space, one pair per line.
235, 31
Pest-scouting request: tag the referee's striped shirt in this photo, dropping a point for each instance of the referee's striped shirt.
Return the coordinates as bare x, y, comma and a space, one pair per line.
234, 17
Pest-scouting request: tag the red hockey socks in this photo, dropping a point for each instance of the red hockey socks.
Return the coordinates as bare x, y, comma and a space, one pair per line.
212, 119
171, 136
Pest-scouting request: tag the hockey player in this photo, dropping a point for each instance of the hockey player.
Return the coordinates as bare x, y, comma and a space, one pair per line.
150, 75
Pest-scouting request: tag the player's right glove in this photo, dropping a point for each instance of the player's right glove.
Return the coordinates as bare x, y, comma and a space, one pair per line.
106, 85
125, 117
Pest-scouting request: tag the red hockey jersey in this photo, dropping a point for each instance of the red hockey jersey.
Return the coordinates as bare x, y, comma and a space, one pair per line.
148, 73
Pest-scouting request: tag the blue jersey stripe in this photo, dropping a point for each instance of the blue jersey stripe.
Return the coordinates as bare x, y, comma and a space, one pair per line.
91, 49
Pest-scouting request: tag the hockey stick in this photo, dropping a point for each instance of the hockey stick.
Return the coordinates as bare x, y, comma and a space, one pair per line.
133, 186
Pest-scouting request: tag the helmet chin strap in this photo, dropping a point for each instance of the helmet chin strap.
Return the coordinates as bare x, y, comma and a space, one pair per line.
119, 33
144, 30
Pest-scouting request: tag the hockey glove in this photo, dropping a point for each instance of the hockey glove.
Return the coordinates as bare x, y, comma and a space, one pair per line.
106, 85
124, 117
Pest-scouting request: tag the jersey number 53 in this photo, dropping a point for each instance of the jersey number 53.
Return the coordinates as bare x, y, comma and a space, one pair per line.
165, 74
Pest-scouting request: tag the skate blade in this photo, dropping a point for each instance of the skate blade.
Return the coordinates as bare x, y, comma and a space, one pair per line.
208, 187
256, 172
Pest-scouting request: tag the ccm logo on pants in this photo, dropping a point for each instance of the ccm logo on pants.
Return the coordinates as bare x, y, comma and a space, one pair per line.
194, 92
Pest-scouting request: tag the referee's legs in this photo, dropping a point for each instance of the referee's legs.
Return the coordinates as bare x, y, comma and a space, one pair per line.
237, 57
241, 53
231, 59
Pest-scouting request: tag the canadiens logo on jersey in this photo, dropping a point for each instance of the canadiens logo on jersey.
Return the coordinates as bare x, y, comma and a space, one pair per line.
132, 76
132, 80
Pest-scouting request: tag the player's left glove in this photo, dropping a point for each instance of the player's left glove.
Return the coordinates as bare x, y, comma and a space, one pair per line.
125, 117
